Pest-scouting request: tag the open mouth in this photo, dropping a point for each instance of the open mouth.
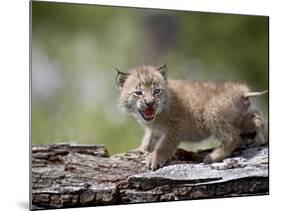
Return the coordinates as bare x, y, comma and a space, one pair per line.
148, 114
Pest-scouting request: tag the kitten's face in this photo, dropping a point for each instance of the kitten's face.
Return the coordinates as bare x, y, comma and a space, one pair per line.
143, 92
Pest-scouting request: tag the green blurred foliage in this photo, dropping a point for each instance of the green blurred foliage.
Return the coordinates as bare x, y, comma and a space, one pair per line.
75, 48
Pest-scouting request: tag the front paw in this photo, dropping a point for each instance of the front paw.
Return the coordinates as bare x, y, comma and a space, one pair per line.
155, 160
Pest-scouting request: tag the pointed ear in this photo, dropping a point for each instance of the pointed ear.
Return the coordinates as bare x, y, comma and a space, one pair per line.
121, 78
163, 70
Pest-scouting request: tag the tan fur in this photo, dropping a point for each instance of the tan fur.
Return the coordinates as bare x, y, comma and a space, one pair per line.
188, 111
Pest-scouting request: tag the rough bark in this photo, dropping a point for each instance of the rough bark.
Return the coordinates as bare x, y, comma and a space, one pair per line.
67, 175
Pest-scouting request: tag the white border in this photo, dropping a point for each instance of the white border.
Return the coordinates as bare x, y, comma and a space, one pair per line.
238, 6
14, 95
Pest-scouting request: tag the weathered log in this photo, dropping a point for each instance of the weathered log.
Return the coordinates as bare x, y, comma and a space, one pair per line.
67, 175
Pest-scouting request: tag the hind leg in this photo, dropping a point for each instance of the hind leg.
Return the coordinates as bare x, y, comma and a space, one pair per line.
254, 122
231, 141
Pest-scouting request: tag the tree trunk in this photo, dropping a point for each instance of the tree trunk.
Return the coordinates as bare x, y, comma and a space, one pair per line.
70, 175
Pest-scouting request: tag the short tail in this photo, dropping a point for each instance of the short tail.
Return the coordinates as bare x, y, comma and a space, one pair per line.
254, 94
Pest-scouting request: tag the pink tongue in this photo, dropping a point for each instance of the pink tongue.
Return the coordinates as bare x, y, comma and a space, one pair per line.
149, 112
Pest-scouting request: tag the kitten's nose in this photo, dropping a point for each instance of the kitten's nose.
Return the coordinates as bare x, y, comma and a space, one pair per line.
149, 102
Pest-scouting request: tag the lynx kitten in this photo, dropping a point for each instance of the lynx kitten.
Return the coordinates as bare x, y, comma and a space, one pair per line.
174, 111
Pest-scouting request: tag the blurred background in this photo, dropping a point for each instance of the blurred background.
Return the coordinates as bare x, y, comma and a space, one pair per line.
76, 47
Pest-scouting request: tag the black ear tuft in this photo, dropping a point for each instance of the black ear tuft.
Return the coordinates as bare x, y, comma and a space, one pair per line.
121, 78
163, 70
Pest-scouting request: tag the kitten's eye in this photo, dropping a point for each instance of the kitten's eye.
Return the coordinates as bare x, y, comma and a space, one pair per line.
156, 91
138, 93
